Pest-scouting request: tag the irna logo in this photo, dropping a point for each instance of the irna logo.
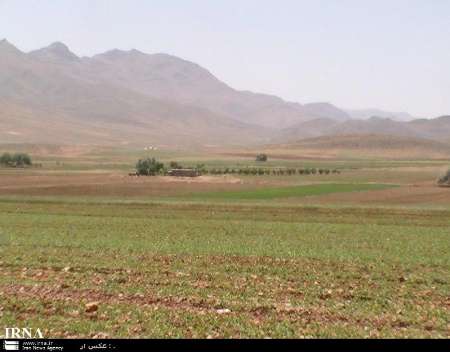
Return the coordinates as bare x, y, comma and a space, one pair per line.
22, 333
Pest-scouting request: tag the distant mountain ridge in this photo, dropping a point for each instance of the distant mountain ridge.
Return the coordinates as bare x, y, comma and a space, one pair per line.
364, 114
437, 129
364, 145
129, 97
51, 95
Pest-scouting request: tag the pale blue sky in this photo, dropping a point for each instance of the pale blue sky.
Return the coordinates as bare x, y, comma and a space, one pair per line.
391, 54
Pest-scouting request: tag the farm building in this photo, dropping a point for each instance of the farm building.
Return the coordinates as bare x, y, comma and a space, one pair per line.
184, 173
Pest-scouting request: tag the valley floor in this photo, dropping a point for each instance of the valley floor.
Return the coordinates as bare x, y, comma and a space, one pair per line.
90, 252
171, 270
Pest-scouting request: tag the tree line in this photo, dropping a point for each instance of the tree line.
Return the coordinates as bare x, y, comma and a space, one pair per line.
152, 167
270, 171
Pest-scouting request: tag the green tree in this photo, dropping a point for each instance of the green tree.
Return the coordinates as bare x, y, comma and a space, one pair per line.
6, 159
175, 165
21, 159
201, 169
16, 160
149, 167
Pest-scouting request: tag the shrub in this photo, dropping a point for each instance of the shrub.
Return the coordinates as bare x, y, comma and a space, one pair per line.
445, 179
149, 167
261, 157
201, 169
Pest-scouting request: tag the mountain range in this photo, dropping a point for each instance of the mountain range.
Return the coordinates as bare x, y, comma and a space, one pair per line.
437, 129
51, 95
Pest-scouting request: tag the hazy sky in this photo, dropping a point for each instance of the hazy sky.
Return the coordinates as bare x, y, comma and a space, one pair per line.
391, 54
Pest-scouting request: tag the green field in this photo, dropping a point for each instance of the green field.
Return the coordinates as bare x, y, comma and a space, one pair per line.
204, 259
268, 193
165, 270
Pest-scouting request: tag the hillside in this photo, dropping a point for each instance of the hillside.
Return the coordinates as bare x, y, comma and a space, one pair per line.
170, 78
51, 95
364, 145
364, 114
113, 93
438, 128
433, 129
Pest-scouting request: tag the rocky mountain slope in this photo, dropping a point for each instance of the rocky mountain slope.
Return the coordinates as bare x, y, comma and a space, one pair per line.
129, 97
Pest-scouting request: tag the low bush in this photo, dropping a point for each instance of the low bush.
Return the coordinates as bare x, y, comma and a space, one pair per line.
261, 157
444, 180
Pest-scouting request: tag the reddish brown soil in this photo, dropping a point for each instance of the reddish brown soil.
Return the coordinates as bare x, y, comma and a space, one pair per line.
112, 185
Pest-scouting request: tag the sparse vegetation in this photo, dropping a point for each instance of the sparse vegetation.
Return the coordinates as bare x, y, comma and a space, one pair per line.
261, 157
444, 180
15, 160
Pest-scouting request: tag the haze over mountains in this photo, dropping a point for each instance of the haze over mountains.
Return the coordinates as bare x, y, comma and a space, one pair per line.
51, 95
434, 129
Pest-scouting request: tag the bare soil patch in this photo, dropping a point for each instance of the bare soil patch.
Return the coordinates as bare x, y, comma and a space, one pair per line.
426, 194
119, 185
203, 179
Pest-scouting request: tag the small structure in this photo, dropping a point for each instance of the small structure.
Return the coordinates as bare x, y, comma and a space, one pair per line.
184, 173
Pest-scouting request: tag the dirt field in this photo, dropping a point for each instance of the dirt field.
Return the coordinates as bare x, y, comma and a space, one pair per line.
87, 184
423, 195
114, 185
